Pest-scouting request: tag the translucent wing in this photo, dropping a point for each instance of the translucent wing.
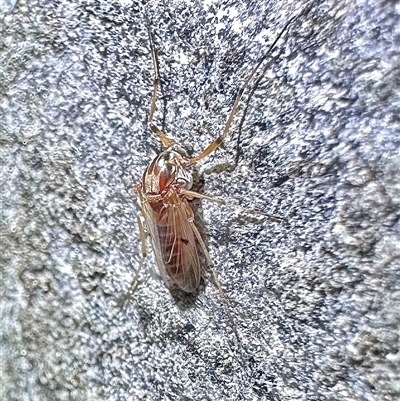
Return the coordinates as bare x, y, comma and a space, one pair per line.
173, 241
151, 228
178, 244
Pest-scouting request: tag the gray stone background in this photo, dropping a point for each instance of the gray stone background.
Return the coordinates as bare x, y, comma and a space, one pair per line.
314, 300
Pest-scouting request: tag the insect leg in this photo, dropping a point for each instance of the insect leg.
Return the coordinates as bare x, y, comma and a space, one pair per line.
214, 145
135, 282
215, 278
206, 254
160, 134
192, 194
200, 240
142, 237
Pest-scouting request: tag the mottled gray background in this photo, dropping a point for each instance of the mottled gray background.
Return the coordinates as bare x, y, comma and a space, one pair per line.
315, 301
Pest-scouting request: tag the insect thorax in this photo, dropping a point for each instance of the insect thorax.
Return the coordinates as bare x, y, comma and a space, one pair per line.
168, 170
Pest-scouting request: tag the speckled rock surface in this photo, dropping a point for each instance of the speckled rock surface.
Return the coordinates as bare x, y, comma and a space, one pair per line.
314, 301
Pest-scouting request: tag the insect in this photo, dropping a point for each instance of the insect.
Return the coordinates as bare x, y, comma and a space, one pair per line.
165, 191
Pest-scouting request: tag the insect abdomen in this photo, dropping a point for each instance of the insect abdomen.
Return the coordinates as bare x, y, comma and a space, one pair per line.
178, 251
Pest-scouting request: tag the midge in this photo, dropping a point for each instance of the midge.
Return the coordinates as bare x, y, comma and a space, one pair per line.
165, 191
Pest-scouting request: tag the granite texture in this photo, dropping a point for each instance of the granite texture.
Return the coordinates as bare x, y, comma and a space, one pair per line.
311, 309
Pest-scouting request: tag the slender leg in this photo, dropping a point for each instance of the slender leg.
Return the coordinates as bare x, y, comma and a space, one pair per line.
142, 237
192, 194
200, 240
135, 282
215, 278
161, 136
214, 145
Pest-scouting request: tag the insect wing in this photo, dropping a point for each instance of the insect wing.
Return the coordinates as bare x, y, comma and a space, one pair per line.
173, 242
179, 246
151, 228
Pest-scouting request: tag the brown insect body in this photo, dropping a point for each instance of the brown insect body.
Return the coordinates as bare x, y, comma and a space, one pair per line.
168, 216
